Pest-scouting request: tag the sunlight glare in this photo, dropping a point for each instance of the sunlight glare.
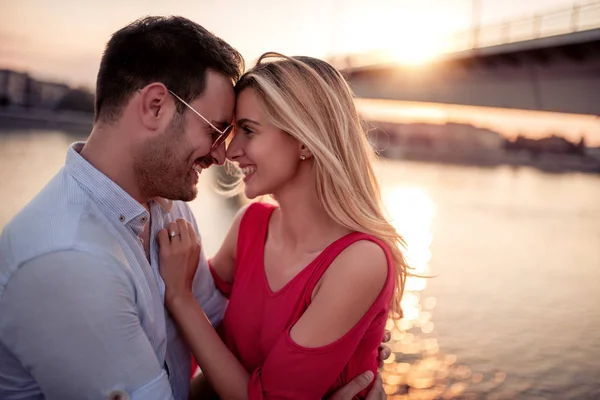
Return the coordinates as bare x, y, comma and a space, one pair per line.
411, 45
412, 212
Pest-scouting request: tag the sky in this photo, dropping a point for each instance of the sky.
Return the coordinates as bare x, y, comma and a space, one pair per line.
64, 39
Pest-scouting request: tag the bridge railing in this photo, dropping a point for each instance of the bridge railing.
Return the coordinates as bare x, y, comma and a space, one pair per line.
579, 17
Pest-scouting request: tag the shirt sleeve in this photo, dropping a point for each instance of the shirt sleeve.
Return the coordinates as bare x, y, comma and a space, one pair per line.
71, 319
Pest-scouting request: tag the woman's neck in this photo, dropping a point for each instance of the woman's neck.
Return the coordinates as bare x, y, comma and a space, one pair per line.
303, 224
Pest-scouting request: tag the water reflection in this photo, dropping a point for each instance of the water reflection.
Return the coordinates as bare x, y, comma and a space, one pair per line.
512, 310
418, 369
411, 211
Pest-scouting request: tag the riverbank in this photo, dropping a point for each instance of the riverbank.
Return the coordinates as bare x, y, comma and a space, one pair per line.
552, 163
23, 118
81, 123
469, 145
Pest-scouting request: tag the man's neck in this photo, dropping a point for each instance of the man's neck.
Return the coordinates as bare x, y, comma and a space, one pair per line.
113, 158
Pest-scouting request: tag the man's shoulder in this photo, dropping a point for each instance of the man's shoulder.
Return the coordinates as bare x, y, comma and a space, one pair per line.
51, 218
60, 218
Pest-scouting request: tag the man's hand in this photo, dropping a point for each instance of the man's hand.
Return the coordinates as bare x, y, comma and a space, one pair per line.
377, 392
359, 383
362, 381
384, 351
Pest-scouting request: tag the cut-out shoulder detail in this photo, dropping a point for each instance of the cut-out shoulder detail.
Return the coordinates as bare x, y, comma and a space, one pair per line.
348, 289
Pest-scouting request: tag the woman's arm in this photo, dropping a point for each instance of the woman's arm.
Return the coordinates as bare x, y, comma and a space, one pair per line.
226, 374
335, 309
348, 288
178, 260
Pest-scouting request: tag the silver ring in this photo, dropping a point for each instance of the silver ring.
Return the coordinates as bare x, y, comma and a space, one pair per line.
173, 234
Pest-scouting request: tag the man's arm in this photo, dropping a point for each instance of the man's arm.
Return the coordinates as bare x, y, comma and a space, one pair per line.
71, 318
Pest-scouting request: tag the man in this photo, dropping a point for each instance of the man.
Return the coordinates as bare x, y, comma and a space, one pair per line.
81, 298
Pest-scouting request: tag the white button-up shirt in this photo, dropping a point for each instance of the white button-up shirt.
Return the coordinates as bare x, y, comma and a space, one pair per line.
81, 309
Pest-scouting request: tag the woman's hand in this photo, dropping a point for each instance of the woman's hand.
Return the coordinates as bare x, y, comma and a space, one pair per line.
178, 259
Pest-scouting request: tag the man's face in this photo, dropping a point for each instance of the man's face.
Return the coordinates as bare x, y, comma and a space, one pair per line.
168, 165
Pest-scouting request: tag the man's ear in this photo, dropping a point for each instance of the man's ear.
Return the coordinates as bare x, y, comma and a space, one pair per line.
155, 106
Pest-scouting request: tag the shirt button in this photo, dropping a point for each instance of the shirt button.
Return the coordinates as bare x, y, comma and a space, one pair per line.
122, 218
118, 395
144, 220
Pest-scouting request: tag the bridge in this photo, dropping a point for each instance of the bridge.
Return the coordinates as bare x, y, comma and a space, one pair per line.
549, 62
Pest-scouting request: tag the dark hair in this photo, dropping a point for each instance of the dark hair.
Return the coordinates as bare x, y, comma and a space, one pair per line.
172, 50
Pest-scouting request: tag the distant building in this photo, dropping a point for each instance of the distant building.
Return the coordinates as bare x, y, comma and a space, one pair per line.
46, 94
18, 89
451, 137
13, 88
467, 144
552, 144
450, 142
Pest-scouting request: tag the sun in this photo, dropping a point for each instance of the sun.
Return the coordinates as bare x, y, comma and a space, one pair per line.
416, 52
411, 44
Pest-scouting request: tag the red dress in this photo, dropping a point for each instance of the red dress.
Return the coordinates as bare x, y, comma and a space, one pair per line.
257, 323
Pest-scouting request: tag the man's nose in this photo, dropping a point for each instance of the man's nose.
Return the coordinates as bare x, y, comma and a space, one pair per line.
218, 154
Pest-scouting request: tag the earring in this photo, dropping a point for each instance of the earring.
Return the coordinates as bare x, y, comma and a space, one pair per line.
303, 157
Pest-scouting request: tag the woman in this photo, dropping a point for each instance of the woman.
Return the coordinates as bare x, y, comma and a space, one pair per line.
311, 281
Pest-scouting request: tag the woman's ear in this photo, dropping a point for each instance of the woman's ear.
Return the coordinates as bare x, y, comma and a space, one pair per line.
304, 152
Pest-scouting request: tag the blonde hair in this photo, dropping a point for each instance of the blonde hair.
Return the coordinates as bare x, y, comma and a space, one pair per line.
310, 100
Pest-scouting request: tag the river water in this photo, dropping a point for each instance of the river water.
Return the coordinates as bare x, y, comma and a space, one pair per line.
513, 309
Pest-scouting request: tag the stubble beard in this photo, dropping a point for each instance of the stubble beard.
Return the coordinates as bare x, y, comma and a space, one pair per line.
161, 165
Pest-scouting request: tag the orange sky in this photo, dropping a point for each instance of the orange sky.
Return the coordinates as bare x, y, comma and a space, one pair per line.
63, 39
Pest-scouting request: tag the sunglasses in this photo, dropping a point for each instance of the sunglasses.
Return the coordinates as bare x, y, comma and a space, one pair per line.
223, 134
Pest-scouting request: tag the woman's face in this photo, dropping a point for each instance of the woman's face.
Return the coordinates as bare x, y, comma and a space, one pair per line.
268, 157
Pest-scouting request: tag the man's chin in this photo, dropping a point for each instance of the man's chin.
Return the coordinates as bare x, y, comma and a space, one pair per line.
189, 196
185, 195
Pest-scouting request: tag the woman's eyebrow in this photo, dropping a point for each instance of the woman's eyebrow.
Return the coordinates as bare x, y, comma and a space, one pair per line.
246, 121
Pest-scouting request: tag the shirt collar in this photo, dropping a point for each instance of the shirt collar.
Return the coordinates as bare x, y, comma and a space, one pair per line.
165, 204
119, 204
